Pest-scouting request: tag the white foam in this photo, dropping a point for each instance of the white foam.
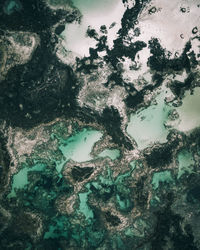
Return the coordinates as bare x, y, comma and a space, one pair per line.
168, 23
95, 14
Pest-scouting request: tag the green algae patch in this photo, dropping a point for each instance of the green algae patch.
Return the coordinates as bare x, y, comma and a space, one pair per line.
186, 161
113, 154
79, 146
124, 204
129, 232
20, 180
11, 6
147, 126
133, 164
58, 228
123, 195
121, 177
161, 177
139, 228
155, 201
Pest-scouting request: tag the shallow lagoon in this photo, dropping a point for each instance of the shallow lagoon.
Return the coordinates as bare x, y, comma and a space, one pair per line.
186, 161
78, 147
147, 126
20, 180
83, 207
113, 154
189, 111
161, 177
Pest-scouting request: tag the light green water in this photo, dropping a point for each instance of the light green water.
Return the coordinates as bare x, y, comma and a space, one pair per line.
135, 164
147, 126
159, 177
113, 154
186, 161
94, 7
78, 147
124, 204
83, 207
20, 180
189, 111
155, 200
10, 6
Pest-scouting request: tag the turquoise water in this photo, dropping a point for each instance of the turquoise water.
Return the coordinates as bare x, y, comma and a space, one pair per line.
113, 154
83, 208
147, 126
79, 146
58, 229
20, 180
186, 161
161, 177
189, 111
124, 204
135, 164
155, 200
11, 6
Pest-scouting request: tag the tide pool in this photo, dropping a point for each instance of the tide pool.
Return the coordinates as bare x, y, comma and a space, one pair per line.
186, 161
113, 154
83, 208
161, 177
147, 126
20, 180
79, 146
12, 6
58, 228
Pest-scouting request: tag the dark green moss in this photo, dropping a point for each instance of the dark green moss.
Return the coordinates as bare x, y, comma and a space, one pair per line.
169, 225
80, 174
159, 156
193, 194
112, 219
